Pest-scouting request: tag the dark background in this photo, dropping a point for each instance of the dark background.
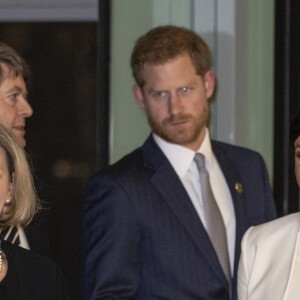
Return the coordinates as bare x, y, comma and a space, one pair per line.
67, 136
287, 102
61, 134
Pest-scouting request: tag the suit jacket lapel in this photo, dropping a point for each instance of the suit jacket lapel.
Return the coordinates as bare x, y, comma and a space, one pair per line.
235, 185
169, 186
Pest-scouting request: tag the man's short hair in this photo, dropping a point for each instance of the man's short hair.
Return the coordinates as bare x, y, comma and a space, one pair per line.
14, 62
163, 43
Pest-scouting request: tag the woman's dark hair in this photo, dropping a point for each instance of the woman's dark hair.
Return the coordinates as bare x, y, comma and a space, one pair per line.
295, 129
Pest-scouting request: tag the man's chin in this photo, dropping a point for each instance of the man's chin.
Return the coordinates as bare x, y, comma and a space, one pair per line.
177, 138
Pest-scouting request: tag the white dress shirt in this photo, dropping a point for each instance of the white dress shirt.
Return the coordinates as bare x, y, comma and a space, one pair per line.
182, 160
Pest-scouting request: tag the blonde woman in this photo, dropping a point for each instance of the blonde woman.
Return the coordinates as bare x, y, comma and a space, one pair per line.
23, 273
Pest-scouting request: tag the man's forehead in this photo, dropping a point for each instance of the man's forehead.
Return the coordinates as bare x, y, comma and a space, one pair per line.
5, 69
6, 72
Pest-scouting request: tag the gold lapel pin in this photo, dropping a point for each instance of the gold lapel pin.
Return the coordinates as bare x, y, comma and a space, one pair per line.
238, 187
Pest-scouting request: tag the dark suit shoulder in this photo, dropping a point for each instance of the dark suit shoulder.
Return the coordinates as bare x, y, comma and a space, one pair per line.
129, 161
39, 276
233, 149
123, 167
243, 158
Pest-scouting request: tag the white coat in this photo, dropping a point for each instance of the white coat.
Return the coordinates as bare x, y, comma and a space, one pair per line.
270, 254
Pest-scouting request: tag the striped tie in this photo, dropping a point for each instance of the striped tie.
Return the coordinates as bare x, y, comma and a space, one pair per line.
11, 234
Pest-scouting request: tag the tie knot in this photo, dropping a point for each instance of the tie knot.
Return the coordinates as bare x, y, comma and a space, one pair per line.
200, 161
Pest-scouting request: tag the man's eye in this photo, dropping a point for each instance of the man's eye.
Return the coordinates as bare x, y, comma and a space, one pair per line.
162, 94
13, 96
184, 90
297, 154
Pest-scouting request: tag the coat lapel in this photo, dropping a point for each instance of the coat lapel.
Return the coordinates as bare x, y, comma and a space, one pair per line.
235, 185
169, 186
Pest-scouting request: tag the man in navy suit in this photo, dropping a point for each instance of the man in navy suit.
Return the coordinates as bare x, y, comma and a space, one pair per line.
144, 225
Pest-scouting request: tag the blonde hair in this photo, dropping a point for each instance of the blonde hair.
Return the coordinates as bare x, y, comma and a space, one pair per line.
24, 202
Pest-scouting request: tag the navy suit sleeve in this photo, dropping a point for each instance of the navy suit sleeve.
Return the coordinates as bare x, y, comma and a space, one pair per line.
112, 242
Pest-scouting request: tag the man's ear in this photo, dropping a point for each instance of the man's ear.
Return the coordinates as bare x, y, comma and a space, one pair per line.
138, 94
209, 83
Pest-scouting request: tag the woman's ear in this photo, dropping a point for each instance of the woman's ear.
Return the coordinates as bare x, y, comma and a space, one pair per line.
12, 183
11, 186
138, 95
9, 194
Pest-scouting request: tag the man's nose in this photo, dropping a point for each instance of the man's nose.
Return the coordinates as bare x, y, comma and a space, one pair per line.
25, 108
175, 104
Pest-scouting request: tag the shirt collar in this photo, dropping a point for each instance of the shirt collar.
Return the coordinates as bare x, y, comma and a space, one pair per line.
206, 149
181, 157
